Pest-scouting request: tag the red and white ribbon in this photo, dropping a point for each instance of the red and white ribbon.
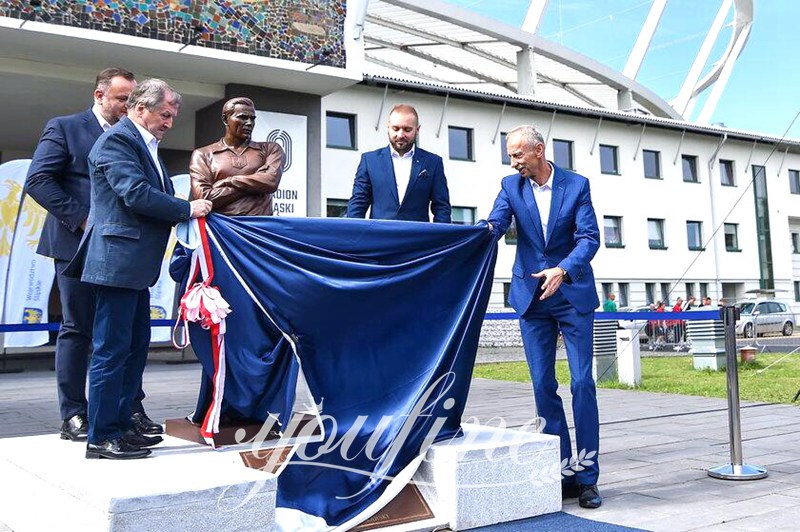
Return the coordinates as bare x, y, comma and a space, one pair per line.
203, 304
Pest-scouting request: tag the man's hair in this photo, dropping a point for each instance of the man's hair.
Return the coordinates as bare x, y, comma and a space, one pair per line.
230, 106
405, 108
105, 76
528, 133
152, 93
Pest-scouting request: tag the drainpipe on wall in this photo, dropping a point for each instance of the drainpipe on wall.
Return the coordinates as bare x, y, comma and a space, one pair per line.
714, 223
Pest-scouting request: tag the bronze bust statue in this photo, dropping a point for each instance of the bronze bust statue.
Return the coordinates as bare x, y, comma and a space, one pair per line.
236, 174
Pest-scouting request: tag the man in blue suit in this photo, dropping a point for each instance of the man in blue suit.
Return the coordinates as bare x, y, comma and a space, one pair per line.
401, 181
132, 211
552, 290
58, 179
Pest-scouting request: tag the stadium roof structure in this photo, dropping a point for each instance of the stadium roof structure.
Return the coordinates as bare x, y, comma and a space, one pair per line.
434, 43
430, 41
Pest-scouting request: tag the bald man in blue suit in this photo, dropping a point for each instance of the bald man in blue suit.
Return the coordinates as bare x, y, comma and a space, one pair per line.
401, 181
552, 290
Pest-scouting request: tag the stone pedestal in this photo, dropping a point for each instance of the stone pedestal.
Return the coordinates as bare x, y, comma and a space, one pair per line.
629, 361
491, 476
48, 484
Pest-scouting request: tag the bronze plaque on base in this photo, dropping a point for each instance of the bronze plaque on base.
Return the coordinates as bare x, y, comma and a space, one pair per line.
407, 507
186, 430
267, 460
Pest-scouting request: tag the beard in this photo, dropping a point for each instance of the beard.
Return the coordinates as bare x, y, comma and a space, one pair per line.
401, 146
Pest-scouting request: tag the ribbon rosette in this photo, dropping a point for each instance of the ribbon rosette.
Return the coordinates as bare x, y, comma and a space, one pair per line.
205, 305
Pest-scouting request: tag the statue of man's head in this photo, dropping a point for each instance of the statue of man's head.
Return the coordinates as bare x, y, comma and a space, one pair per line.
239, 117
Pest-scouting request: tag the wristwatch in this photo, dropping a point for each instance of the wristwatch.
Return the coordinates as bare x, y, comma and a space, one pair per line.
566, 278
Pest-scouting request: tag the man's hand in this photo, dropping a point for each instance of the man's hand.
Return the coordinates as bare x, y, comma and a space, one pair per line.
200, 207
552, 280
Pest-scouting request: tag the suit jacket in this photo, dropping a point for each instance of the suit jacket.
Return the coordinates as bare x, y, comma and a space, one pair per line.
131, 214
58, 179
375, 186
573, 238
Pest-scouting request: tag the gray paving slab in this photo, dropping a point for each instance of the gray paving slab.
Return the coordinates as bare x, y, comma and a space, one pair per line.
655, 448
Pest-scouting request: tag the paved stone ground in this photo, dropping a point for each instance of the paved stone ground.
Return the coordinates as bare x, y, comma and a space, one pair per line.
655, 448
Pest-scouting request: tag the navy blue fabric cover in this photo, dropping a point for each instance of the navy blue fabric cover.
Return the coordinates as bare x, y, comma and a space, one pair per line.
380, 312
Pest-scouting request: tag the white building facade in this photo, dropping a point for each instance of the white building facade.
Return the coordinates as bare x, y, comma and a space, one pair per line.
685, 229
676, 202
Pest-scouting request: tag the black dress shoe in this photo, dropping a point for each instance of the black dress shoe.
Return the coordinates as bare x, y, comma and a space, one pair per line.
569, 490
134, 438
116, 449
75, 428
145, 425
589, 496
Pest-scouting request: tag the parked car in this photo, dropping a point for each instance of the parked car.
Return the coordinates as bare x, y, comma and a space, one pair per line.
764, 316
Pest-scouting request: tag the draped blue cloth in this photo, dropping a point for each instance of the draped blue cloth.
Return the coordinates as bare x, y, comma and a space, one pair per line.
385, 317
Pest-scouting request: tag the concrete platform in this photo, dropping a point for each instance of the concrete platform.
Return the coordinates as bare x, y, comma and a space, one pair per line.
48, 484
491, 475
655, 449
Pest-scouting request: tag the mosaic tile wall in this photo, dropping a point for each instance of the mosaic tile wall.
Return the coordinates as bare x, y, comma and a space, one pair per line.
308, 31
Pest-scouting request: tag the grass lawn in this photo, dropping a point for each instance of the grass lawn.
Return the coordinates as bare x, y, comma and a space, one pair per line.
757, 382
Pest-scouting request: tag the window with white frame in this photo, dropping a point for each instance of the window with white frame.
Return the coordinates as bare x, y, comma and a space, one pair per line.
655, 233
562, 153
732, 237
612, 231
609, 162
340, 130
794, 181
463, 215
652, 164
694, 235
460, 142
336, 208
689, 165
726, 174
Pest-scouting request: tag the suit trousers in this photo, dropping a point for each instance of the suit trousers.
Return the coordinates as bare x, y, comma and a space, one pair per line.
540, 325
74, 343
121, 341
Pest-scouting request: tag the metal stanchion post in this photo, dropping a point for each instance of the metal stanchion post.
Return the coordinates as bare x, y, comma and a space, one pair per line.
736, 470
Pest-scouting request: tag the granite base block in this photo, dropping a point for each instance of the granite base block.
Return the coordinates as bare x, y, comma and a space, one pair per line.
491, 476
48, 484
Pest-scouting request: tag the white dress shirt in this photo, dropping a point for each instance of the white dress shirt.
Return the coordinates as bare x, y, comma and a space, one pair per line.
152, 148
543, 195
100, 118
402, 170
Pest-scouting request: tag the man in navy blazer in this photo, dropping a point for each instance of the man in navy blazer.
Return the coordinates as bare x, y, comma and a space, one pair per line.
58, 179
132, 211
552, 290
401, 181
